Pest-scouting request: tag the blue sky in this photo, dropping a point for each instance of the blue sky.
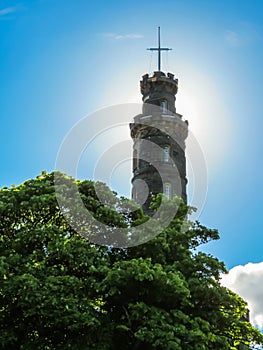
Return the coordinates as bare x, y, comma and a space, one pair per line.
62, 60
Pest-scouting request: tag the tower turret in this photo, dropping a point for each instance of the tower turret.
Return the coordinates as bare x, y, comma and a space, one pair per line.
159, 90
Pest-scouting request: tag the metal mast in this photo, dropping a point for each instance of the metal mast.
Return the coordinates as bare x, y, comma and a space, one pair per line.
159, 49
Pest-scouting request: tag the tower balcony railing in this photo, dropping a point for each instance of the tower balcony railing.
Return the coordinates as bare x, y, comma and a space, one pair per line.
164, 116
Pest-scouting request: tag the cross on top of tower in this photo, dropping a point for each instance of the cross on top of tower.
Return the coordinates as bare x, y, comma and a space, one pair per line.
159, 49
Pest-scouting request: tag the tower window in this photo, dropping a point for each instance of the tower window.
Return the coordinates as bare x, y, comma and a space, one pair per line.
166, 150
168, 190
164, 106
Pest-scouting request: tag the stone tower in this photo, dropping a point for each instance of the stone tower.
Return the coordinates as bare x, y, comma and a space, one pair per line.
159, 133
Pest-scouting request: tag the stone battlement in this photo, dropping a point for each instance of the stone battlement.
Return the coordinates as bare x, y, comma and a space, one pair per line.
158, 78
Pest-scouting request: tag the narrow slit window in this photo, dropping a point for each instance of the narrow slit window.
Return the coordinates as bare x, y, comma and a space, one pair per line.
166, 153
164, 106
167, 190
135, 159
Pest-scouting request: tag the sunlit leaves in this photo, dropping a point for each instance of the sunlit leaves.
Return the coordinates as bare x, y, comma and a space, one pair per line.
60, 291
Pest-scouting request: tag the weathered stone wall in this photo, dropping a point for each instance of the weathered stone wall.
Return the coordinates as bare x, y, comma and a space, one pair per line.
153, 131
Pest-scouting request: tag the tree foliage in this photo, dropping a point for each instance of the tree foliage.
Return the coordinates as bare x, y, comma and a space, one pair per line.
60, 291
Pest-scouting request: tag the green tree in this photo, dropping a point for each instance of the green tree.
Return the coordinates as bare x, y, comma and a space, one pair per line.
60, 291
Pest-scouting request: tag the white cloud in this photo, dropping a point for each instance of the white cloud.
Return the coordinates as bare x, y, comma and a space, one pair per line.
133, 36
247, 281
245, 34
122, 36
8, 10
232, 38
